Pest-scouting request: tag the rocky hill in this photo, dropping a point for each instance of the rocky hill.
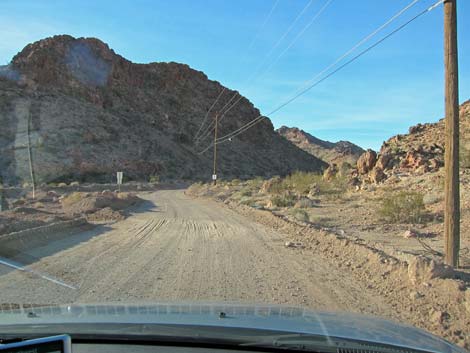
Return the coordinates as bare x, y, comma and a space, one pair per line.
330, 152
86, 112
418, 152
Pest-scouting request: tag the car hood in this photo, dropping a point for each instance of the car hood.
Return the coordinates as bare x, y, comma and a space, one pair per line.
231, 316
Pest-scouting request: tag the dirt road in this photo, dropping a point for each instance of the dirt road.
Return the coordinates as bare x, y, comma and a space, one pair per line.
178, 248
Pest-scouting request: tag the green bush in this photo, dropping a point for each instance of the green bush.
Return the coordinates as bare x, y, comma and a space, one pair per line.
154, 179
72, 198
236, 182
403, 207
245, 192
345, 169
300, 182
283, 200
246, 200
300, 215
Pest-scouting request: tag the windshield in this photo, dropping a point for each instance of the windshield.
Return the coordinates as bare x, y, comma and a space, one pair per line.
308, 154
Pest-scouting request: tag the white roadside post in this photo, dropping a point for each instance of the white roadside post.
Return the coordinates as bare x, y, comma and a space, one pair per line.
119, 180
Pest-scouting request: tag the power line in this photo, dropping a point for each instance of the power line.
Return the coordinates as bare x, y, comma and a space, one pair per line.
323, 8
259, 118
208, 112
273, 48
211, 125
263, 25
307, 26
363, 40
358, 44
268, 17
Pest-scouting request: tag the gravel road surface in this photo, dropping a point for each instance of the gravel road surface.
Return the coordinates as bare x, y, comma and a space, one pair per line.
176, 248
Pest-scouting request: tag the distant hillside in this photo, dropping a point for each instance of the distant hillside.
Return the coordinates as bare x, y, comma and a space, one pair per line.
330, 152
419, 151
92, 112
422, 149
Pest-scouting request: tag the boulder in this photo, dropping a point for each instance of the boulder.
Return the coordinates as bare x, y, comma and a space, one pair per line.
435, 164
330, 172
383, 160
410, 234
422, 169
267, 186
366, 162
415, 129
422, 269
377, 175
354, 181
413, 160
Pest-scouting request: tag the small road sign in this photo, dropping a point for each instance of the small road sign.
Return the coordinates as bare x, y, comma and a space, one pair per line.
119, 178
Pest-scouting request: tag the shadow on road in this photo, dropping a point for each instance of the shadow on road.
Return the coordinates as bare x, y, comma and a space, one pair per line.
21, 256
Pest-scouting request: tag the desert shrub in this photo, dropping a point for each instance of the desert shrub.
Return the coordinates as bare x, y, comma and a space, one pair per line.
72, 198
154, 179
345, 168
335, 187
403, 207
464, 157
321, 220
245, 192
305, 203
300, 182
432, 198
300, 215
236, 182
195, 188
283, 200
256, 182
246, 200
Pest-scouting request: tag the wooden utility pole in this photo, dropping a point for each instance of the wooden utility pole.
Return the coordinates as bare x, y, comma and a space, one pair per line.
452, 192
214, 174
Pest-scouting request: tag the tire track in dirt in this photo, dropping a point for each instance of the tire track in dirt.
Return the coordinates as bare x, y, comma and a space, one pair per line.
189, 249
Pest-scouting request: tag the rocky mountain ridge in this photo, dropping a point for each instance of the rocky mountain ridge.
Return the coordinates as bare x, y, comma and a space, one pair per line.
418, 152
330, 152
86, 112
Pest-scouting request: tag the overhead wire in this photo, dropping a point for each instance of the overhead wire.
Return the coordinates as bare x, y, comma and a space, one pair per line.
266, 20
299, 34
357, 45
250, 124
208, 112
323, 8
263, 63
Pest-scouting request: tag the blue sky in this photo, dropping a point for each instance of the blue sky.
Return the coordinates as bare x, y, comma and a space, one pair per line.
396, 85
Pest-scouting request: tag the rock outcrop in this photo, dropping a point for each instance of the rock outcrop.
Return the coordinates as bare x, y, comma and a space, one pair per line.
86, 112
420, 151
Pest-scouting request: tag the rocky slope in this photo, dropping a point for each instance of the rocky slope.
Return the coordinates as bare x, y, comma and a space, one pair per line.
86, 112
418, 152
330, 152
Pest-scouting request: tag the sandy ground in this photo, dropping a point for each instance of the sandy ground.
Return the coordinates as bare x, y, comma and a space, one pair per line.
177, 248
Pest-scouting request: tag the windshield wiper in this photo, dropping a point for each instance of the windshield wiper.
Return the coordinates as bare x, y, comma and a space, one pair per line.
304, 342
327, 344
